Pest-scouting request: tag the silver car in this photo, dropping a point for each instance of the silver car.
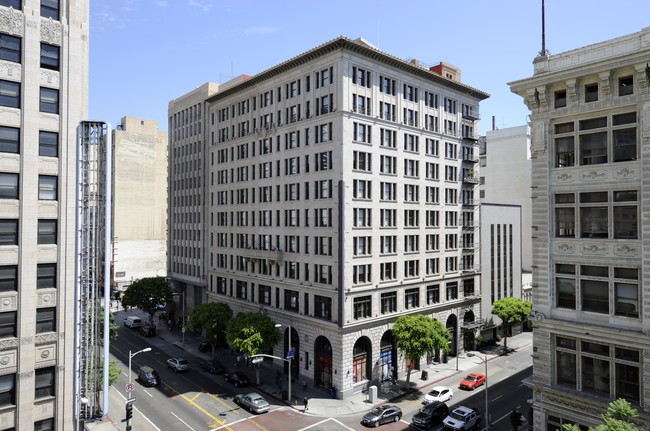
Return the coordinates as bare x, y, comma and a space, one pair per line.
253, 402
178, 364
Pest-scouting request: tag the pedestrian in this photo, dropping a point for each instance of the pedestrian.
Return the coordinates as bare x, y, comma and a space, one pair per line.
305, 401
304, 384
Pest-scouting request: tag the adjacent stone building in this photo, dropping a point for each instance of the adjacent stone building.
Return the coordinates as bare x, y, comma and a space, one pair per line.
590, 148
43, 97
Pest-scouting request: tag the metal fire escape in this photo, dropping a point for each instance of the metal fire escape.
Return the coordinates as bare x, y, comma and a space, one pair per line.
92, 276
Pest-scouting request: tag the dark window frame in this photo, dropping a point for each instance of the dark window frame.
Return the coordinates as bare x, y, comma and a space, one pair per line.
50, 56
45, 144
9, 140
44, 382
50, 9
46, 320
8, 324
10, 48
10, 93
49, 99
9, 185
46, 276
8, 232
9, 278
47, 235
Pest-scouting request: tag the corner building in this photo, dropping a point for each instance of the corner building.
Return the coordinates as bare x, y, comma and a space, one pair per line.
43, 97
590, 144
337, 203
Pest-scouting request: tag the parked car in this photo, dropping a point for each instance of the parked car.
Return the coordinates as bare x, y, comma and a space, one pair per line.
438, 393
252, 402
237, 378
147, 330
132, 322
204, 346
212, 366
381, 415
148, 376
178, 364
430, 415
472, 381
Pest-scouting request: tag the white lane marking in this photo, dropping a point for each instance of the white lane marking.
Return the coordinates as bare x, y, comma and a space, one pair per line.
176, 416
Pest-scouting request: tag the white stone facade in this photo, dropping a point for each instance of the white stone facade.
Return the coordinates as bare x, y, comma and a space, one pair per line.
590, 111
45, 96
340, 196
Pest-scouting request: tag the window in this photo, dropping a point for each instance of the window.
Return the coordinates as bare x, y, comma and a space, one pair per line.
594, 291
388, 138
8, 278
452, 291
362, 217
388, 191
50, 56
10, 48
362, 245
388, 217
591, 92
565, 285
388, 271
625, 86
323, 161
322, 307
624, 138
16, 4
433, 294
361, 274
388, 244
50, 9
7, 389
411, 268
10, 94
47, 187
360, 77
46, 275
323, 245
411, 193
323, 274
411, 143
9, 140
44, 425
47, 231
411, 168
412, 298
387, 85
388, 302
362, 307
44, 382
8, 232
411, 243
8, 324
49, 100
626, 292
560, 99
593, 215
8, 185
388, 165
433, 242
361, 161
625, 215
264, 295
411, 218
362, 133
291, 301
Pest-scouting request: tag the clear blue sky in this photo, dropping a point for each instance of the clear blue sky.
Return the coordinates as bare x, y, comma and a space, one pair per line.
146, 52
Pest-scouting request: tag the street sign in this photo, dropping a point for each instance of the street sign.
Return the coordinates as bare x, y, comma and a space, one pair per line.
257, 360
290, 353
130, 401
130, 387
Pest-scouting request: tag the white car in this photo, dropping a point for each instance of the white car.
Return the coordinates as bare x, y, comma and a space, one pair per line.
178, 364
438, 393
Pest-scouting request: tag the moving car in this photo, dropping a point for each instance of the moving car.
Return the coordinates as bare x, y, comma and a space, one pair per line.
253, 402
212, 366
472, 381
178, 364
382, 415
148, 376
204, 346
462, 419
133, 322
438, 393
147, 330
237, 378
430, 415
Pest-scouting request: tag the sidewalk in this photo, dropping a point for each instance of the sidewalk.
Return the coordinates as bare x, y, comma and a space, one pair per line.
320, 401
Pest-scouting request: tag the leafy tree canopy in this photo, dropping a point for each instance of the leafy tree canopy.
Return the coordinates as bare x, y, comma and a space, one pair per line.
146, 293
618, 417
417, 334
212, 319
252, 333
511, 311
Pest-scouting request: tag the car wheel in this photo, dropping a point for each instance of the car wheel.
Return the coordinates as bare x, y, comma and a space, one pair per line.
377, 424
251, 409
397, 418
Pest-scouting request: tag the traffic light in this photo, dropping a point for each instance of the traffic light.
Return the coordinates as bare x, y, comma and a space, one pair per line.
129, 411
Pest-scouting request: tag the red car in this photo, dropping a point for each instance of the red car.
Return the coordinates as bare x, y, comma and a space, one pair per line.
472, 381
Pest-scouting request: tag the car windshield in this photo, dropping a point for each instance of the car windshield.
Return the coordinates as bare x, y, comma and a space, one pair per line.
434, 393
458, 416
427, 409
375, 412
183, 362
471, 378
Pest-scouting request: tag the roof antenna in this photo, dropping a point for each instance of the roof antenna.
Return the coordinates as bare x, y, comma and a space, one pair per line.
544, 52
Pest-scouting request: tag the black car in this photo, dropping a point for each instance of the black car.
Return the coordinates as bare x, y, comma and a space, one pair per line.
237, 378
430, 415
148, 376
147, 330
382, 415
212, 366
204, 346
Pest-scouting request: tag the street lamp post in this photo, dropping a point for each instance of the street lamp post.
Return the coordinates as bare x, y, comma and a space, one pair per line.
289, 359
183, 319
131, 355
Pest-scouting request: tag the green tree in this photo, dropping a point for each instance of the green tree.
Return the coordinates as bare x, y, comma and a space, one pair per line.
146, 293
618, 417
212, 319
252, 333
417, 334
113, 372
511, 311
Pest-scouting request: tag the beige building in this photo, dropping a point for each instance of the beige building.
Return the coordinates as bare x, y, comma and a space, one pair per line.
139, 201
43, 97
590, 123
340, 196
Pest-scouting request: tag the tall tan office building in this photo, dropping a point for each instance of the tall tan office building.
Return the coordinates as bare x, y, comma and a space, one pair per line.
590, 147
339, 195
43, 96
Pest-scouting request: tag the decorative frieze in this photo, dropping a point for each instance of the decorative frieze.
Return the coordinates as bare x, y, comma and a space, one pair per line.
538, 140
46, 299
594, 249
8, 303
605, 83
51, 31
11, 21
50, 337
8, 343
571, 92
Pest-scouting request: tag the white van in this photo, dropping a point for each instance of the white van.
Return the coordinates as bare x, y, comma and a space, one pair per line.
133, 322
